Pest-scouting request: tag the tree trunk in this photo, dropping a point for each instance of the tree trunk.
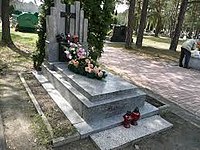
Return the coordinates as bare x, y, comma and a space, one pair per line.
6, 37
129, 32
142, 23
174, 40
173, 18
158, 26
137, 16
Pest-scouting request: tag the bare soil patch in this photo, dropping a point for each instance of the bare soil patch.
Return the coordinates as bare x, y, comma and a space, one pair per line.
18, 115
61, 126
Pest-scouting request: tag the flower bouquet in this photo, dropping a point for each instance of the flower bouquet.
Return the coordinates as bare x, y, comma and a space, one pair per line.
86, 67
77, 58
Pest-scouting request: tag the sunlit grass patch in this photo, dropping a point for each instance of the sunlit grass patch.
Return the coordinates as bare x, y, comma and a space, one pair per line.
149, 51
24, 40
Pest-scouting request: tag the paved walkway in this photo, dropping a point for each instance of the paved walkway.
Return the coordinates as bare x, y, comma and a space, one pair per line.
179, 85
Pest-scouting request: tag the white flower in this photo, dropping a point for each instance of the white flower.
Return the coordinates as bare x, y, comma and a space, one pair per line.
69, 56
66, 52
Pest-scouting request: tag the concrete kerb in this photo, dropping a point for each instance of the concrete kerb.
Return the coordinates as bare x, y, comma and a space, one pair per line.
2, 138
174, 108
36, 104
56, 142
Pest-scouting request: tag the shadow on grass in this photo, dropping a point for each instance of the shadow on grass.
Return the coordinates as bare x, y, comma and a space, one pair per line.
16, 37
16, 49
149, 51
161, 51
158, 39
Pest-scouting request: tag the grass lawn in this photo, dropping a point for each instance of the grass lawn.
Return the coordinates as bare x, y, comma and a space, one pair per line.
154, 48
151, 52
19, 58
160, 39
24, 41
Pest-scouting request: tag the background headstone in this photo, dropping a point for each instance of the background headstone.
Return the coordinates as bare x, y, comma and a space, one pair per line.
119, 34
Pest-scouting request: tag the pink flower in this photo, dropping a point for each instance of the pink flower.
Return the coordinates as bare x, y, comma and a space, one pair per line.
90, 65
88, 69
100, 74
87, 61
96, 69
76, 63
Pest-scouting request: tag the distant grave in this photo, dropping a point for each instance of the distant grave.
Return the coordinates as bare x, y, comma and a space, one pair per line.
194, 62
119, 33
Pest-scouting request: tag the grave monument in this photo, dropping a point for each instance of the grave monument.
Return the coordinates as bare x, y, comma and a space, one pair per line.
94, 107
119, 33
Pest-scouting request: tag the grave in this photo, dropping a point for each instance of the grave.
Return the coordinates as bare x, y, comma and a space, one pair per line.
119, 33
194, 63
195, 60
94, 107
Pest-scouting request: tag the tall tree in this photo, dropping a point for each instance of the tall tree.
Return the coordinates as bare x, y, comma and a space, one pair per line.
173, 9
6, 37
131, 16
174, 40
142, 23
137, 13
159, 11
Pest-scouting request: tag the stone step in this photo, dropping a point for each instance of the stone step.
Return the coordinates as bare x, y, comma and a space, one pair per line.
87, 128
88, 109
120, 137
97, 90
83, 127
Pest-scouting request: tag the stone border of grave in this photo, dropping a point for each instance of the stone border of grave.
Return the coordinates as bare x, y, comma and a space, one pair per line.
162, 106
56, 142
173, 107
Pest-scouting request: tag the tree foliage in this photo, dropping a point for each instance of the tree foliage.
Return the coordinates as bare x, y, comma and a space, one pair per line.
39, 54
163, 17
99, 14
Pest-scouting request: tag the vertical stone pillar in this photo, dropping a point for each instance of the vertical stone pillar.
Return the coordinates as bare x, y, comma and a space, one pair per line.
77, 11
72, 21
81, 26
55, 24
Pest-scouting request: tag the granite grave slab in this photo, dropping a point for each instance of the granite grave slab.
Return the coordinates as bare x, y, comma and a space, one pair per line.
107, 106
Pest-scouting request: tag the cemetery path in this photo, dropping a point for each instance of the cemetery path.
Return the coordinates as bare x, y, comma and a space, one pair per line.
178, 85
17, 113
